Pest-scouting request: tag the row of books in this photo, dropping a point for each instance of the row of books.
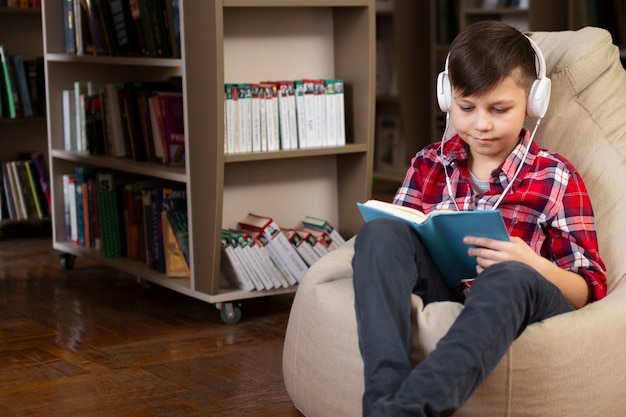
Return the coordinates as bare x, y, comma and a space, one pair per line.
25, 189
259, 255
22, 86
122, 27
125, 216
140, 120
284, 115
21, 4
143, 219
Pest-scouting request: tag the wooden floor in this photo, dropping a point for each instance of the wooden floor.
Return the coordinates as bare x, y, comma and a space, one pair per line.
92, 342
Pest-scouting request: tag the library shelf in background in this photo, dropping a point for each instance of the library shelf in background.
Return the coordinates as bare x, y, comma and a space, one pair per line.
246, 41
21, 41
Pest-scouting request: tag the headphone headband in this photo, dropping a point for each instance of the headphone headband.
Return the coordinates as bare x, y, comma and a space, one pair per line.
538, 98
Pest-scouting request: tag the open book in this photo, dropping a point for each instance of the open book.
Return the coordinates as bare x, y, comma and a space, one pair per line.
442, 233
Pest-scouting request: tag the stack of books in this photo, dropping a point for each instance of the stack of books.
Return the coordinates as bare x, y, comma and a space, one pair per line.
259, 255
25, 189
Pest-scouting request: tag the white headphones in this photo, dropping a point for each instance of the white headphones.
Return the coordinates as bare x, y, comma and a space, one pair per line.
538, 98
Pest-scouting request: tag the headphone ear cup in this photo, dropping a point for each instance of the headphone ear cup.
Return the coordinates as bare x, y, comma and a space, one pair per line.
539, 97
444, 92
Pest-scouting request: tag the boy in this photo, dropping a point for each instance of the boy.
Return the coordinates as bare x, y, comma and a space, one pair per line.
550, 266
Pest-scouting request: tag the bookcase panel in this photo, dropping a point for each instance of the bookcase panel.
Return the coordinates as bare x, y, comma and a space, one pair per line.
255, 49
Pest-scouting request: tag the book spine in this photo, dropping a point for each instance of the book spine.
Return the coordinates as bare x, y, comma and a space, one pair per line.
32, 186
310, 114
331, 113
22, 86
341, 113
8, 103
173, 116
109, 216
300, 114
306, 252
255, 109
291, 110
18, 191
68, 27
283, 117
229, 122
73, 210
114, 119
232, 268
7, 192
42, 173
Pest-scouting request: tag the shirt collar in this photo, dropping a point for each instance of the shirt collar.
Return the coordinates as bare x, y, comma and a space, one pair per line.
455, 150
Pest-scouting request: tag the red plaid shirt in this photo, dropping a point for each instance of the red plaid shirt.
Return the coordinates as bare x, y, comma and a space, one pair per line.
547, 206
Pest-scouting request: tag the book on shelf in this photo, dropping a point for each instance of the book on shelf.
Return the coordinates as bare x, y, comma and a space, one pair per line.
113, 245
442, 233
69, 192
176, 266
122, 27
278, 247
135, 119
39, 161
7, 86
231, 266
167, 197
82, 32
302, 246
324, 225
180, 227
275, 275
69, 28
21, 82
283, 115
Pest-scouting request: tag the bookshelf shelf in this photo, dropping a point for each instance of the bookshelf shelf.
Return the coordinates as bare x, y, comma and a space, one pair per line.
172, 173
299, 153
114, 60
333, 39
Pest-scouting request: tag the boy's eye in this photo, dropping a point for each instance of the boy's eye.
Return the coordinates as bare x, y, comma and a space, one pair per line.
499, 110
466, 108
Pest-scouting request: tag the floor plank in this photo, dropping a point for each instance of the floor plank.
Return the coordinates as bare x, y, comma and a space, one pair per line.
91, 342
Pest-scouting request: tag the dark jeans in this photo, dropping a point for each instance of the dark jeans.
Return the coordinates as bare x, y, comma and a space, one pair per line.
390, 264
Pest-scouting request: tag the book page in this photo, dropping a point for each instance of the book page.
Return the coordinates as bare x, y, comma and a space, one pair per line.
404, 212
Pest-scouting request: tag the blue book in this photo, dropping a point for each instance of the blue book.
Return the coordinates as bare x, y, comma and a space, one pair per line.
442, 233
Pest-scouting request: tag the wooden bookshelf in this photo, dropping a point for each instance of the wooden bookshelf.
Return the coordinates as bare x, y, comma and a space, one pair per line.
236, 41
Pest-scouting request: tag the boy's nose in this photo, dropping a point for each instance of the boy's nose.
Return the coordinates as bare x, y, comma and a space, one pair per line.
482, 121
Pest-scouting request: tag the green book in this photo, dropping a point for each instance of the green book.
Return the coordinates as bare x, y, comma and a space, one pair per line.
6, 89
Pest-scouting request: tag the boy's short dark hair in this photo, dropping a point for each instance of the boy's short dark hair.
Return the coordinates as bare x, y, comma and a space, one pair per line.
485, 53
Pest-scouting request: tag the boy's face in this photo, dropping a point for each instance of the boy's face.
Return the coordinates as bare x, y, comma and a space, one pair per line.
490, 124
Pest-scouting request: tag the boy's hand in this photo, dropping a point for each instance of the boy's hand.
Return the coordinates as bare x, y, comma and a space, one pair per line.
490, 251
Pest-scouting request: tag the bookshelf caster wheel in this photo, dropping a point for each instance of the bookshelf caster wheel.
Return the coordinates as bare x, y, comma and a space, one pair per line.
146, 286
67, 261
230, 313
